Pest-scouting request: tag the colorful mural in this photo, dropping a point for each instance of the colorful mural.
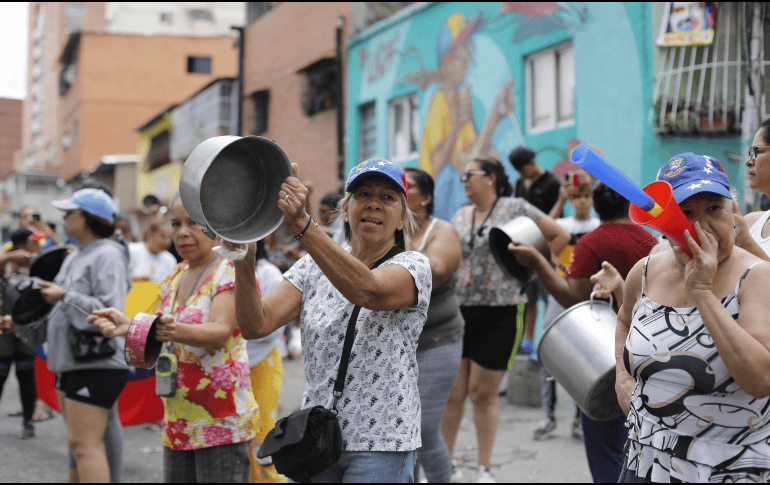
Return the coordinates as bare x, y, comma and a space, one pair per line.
466, 62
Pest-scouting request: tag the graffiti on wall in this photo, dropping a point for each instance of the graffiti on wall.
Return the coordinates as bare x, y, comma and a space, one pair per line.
468, 89
450, 137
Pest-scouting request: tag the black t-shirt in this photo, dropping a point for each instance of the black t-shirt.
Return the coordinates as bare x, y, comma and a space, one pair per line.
543, 193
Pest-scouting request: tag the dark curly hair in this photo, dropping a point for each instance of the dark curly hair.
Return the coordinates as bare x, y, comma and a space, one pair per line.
609, 204
503, 187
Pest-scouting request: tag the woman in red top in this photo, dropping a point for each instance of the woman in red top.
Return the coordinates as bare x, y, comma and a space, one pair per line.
621, 243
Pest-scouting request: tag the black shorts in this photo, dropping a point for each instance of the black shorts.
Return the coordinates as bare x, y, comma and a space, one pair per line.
492, 333
95, 387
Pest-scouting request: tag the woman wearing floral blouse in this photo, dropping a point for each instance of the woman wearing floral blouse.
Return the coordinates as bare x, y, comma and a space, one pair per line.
379, 410
210, 422
489, 302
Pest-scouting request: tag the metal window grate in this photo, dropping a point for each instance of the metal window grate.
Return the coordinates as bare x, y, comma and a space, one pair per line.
700, 89
368, 132
208, 113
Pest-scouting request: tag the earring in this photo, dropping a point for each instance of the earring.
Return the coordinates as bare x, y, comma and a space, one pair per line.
737, 236
422, 204
489, 183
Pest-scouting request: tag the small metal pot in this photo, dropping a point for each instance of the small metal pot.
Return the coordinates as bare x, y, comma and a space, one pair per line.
578, 350
229, 185
142, 349
520, 229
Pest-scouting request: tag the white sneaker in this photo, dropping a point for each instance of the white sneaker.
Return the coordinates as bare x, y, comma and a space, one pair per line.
457, 474
485, 475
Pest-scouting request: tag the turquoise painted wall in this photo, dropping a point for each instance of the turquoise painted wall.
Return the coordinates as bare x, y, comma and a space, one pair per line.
477, 48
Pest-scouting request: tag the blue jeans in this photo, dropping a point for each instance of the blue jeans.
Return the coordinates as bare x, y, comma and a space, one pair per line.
370, 467
605, 441
438, 370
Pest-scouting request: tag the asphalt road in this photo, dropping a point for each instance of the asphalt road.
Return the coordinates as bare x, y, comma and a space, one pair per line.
516, 457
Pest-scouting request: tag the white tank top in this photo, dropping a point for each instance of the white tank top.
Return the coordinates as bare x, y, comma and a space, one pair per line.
756, 232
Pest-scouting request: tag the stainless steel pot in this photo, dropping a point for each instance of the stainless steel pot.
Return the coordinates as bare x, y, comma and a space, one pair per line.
521, 229
578, 350
229, 185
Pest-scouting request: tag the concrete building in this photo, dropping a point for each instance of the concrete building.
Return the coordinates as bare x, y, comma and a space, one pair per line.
290, 93
49, 26
547, 76
10, 132
293, 94
113, 83
174, 18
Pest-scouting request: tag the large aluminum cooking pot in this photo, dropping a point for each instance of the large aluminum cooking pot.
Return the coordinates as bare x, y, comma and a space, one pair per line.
578, 350
229, 185
520, 229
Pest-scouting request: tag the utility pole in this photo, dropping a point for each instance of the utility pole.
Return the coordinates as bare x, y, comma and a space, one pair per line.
753, 95
340, 106
239, 118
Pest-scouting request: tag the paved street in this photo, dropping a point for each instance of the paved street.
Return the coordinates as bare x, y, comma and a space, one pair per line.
517, 458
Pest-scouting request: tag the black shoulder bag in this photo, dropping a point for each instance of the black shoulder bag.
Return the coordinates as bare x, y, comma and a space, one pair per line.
305, 443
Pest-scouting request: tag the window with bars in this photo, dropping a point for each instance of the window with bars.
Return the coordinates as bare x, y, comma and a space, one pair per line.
368, 146
320, 86
700, 89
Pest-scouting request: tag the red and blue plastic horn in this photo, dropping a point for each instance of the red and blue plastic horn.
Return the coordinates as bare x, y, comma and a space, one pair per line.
654, 207
589, 160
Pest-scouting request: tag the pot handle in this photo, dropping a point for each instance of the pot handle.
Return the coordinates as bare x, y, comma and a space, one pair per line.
207, 231
591, 306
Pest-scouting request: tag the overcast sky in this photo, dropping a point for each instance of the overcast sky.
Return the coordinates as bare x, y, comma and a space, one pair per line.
13, 53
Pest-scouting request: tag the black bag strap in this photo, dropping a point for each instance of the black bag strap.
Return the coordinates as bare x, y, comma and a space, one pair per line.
339, 384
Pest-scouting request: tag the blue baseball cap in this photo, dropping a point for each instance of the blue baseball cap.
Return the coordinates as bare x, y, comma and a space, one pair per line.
377, 166
690, 174
93, 201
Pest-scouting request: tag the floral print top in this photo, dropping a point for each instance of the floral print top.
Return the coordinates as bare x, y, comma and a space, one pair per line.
214, 404
482, 281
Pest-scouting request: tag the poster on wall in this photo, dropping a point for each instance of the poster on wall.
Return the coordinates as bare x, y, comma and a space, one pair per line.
687, 23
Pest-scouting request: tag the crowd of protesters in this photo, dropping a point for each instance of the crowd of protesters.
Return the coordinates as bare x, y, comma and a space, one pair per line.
439, 322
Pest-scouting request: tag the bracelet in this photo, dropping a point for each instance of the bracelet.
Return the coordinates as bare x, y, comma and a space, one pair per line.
296, 238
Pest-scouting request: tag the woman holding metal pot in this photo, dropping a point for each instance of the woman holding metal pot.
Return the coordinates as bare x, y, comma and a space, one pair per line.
491, 302
379, 410
90, 371
693, 345
618, 241
210, 415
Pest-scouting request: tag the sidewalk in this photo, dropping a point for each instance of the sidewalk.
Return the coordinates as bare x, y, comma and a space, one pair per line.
516, 457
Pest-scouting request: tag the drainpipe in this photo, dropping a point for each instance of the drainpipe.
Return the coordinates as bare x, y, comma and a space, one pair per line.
239, 118
340, 108
753, 94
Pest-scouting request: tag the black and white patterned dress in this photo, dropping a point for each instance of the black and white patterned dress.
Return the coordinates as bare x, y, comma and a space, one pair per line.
689, 420
380, 405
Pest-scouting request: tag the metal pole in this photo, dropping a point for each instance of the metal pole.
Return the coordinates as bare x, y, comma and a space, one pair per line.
340, 107
239, 118
750, 118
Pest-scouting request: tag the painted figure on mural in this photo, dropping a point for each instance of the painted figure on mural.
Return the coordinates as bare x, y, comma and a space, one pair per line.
450, 136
